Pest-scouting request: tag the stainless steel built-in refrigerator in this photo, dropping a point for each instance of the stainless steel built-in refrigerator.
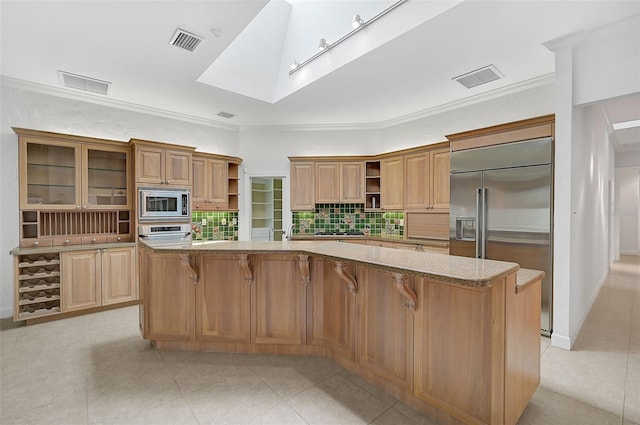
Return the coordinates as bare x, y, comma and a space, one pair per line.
502, 208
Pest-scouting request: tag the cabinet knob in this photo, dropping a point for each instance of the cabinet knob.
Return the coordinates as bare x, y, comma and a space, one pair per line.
36, 243
66, 241
77, 207
93, 240
97, 250
119, 238
167, 182
84, 206
197, 205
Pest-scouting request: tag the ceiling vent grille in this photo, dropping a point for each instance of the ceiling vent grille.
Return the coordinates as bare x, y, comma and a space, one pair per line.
185, 40
80, 82
226, 114
479, 76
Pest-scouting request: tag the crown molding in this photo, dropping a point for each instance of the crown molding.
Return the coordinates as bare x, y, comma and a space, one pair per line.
108, 102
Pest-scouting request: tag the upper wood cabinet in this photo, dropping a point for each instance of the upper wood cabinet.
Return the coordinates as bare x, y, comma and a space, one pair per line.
70, 172
210, 184
339, 182
427, 180
392, 183
303, 186
160, 164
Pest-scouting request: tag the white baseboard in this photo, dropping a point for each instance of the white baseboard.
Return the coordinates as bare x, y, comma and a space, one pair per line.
6, 312
625, 252
561, 341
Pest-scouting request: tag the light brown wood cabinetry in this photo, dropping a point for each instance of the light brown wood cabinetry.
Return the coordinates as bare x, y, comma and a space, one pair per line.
161, 164
423, 225
392, 183
303, 196
210, 184
96, 277
427, 180
223, 307
279, 300
384, 329
339, 182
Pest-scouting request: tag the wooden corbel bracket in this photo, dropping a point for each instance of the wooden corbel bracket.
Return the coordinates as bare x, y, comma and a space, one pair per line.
246, 268
303, 265
352, 283
188, 263
400, 283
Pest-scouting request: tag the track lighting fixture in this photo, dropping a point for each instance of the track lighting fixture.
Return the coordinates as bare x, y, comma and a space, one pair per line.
358, 23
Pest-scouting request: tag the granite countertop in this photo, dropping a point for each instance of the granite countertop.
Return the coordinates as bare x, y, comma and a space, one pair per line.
68, 248
445, 268
526, 277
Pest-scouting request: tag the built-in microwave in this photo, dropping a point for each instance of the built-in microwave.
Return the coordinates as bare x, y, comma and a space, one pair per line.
163, 204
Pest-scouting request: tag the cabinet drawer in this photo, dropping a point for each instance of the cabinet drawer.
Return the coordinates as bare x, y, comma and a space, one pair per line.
67, 240
427, 225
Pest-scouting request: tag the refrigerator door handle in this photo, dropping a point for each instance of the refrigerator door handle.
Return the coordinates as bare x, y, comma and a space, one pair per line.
483, 223
478, 222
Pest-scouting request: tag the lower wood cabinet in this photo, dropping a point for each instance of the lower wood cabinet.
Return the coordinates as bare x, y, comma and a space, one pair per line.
96, 277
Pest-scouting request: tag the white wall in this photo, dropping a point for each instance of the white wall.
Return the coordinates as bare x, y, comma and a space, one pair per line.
26, 109
628, 209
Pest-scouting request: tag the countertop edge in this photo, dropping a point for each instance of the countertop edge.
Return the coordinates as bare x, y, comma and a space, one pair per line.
525, 277
68, 248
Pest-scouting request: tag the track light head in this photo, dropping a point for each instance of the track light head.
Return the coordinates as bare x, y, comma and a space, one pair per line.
357, 22
294, 65
323, 45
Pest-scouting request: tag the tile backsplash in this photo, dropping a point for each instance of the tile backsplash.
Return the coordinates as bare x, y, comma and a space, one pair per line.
349, 217
214, 225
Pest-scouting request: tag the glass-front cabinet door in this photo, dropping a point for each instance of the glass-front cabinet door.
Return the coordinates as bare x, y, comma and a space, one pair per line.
50, 175
105, 178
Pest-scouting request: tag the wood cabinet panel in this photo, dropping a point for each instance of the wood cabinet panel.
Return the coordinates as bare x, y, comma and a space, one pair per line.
80, 280
338, 312
417, 172
223, 308
118, 275
439, 179
392, 183
303, 196
279, 300
425, 225
384, 329
177, 167
327, 182
218, 183
158, 164
150, 165
352, 182
169, 299
199, 187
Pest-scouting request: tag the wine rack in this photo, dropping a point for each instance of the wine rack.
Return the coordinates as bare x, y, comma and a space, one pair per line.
38, 284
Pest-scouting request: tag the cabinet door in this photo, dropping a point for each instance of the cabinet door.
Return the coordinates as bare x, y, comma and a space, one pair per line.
303, 186
200, 187
118, 275
105, 178
392, 182
177, 168
327, 182
223, 309
417, 181
50, 174
150, 165
440, 166
279, 301
352, 182
80, 280
384, 329
169, 299
217, 179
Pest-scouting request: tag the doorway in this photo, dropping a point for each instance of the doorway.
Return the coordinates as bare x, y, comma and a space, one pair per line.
266, 208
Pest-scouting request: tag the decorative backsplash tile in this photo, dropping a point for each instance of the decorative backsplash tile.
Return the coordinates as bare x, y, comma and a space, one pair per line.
349, 218
214, 225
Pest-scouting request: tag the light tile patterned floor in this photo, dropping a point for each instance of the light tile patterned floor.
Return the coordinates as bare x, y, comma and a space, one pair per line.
95, 369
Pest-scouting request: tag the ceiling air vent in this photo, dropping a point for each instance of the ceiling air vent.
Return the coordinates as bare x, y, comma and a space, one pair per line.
226, 114
80, 82
185, 40
479, 76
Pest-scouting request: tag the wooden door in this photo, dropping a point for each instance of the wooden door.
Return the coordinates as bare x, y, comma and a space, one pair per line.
223, 309
439, 177
392, 182
417, 181
118, 275
217, 179
105, 177
303, 196
80, 280
169, 299
200, 187
150, 165
352, 182
327, 182
50, 174
384, 329
177, 168
278, 299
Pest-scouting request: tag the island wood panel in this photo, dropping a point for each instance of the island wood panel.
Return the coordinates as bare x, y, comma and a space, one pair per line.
80, 280
315, 302
459, 350
384, 329
223, 307
339, 306
522, 362
278, 299
169, 299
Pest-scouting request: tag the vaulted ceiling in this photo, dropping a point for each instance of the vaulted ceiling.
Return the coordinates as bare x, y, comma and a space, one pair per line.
398, 66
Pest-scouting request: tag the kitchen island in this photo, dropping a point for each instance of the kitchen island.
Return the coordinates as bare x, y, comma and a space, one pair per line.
456, 338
